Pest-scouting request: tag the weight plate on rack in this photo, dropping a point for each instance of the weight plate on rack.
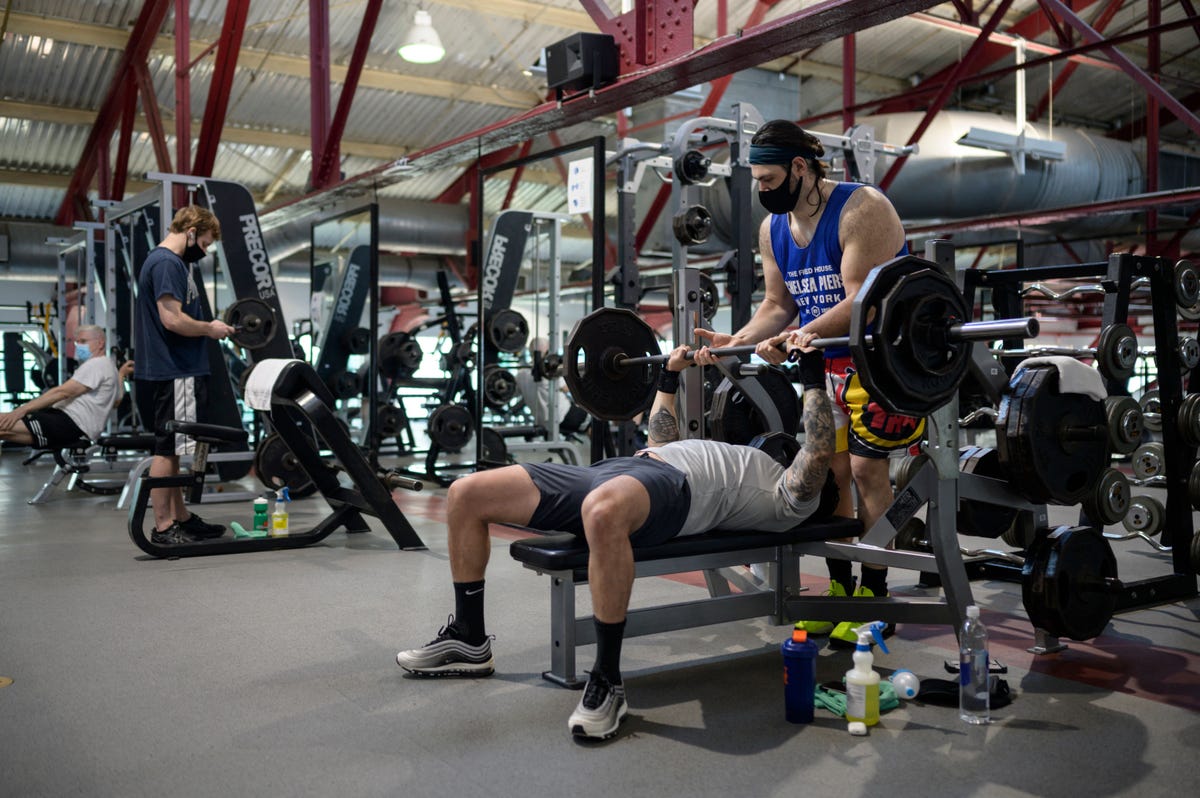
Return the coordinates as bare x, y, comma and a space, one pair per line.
1146, 516
975, 517
1149, 461
1110, 501
276, 467
1117, 352
1124, 423
1068, 582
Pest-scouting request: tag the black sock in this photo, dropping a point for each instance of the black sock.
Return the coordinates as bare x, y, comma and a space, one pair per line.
468, 611
839, 571
608, 650
875, 580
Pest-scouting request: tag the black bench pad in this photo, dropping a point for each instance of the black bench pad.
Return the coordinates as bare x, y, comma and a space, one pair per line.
565, 551
131, 441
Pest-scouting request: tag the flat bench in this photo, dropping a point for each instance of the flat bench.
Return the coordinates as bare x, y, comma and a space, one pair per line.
108, 454
564, 558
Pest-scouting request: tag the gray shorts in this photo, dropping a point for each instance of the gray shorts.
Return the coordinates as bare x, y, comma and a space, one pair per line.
563, 488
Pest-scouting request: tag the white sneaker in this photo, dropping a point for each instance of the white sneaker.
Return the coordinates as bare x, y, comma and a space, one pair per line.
600, 710
448, 655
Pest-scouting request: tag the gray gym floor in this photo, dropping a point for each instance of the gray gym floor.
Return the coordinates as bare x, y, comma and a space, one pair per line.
274, 674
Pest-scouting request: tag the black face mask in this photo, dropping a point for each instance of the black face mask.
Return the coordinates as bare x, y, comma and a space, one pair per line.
193, 252
779, 200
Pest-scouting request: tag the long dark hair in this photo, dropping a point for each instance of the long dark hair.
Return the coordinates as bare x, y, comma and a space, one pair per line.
782, 133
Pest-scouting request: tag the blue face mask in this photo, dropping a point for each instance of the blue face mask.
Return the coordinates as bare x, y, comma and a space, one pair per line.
82, 352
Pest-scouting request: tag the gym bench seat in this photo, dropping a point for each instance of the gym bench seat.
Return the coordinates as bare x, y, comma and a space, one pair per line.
564, 557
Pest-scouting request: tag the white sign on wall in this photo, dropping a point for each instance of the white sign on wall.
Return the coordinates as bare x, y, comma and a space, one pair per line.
579, 186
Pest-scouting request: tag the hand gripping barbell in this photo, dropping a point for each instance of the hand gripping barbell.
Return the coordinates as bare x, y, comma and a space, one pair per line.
908, 337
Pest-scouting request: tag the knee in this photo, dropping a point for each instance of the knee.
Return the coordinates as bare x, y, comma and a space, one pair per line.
871, 475
604, 519
463, 494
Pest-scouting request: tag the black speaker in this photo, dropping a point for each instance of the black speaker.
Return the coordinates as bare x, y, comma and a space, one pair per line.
582, 61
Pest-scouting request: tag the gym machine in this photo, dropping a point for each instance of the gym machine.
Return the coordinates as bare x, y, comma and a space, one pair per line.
298, 401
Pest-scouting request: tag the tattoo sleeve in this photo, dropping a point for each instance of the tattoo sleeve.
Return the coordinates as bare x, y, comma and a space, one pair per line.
805, 477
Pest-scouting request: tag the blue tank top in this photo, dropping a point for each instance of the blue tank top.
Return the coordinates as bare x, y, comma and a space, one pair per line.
813, 274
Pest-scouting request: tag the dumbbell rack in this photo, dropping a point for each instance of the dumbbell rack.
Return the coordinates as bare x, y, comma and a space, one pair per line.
1117, 276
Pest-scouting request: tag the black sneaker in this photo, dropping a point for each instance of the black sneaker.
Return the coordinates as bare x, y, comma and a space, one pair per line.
200, 529
449, 655
173, 535
600, 710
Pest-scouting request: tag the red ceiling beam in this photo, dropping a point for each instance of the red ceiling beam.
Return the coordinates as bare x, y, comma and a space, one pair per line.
145, 29
327, 161
1029, 27
158, 135
319, 82
183, 87
962, 68
219, 89
1147, 82
808, 27
1060, 80
715, 95
124, 140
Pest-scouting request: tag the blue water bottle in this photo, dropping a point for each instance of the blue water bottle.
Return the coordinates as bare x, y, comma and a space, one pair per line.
799, 677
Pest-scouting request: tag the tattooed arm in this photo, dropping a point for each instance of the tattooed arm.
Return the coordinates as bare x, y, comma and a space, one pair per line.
805, 477
663, 425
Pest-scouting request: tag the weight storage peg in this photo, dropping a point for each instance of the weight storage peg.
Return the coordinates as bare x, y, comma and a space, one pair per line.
1186, 284
912, 365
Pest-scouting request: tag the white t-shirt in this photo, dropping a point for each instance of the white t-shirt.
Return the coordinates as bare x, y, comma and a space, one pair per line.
90, 410
734, 487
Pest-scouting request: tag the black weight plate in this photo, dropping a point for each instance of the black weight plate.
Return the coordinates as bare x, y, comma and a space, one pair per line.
735, 418
1117, 352
450, 427
390, 420
909, 366
276, 467
1063, 583
597, 384
1040, 463
357, 340
344, 384
1188, 419
1194, 486
399, 356
1110, 500
781, 446
1124, 416
1187, 284
255, 323
495, 450
710, 297
499, 387
976, 517
508, 331
1195, 552
912, 536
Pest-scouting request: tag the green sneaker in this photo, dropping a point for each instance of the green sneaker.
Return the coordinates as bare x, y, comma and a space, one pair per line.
845, 635
823, 627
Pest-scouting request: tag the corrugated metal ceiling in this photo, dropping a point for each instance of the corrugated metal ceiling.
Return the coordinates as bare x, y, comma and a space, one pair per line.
44, 83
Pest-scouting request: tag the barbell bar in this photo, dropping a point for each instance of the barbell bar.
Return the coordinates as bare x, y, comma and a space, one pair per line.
955, 333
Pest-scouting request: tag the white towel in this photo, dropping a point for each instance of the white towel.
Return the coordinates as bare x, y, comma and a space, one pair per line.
1073, 376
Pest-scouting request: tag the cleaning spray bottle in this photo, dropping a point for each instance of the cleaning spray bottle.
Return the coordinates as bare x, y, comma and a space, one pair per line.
279, 519
862, 682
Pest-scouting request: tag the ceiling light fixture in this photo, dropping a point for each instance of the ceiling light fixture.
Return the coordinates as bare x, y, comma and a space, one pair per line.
422, 44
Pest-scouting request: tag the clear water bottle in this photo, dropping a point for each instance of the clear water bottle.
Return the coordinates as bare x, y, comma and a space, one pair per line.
973, 669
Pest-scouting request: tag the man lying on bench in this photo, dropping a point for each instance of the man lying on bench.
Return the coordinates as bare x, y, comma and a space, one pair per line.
673, 487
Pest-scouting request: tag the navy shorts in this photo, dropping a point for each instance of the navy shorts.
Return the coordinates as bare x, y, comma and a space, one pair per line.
563, 488
51, 428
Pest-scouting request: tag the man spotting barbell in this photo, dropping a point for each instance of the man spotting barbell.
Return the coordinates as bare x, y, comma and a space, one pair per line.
673, 487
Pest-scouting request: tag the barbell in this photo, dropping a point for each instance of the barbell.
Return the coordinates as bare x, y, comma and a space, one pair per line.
908, 337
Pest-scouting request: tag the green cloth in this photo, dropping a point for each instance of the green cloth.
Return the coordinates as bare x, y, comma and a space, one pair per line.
835, 701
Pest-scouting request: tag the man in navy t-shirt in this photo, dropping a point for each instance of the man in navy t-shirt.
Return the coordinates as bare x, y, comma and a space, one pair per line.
172, 360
